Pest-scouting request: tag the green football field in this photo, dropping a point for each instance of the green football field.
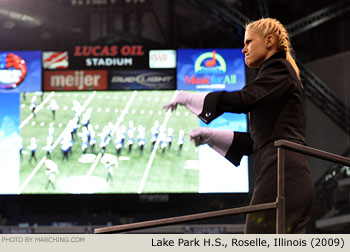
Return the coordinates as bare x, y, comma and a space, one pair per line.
150, 172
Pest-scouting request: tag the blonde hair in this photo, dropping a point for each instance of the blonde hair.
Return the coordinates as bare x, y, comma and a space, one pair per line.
267, 26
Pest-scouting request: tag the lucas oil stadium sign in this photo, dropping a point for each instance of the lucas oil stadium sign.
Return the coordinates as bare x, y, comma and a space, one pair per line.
142, 79
108, 56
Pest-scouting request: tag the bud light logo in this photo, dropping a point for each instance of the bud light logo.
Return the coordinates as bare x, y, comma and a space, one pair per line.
142, 79
210, 63
13, 70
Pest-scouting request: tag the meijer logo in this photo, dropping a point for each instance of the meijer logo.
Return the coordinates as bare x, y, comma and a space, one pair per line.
75, 80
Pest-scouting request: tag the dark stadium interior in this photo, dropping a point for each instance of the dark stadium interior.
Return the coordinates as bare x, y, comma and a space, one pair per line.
57, 24
320, 35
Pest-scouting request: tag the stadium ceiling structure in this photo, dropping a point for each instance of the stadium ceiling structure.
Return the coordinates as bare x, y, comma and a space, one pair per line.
55, 24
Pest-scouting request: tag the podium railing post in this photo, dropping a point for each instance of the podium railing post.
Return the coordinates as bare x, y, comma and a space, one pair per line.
280, 209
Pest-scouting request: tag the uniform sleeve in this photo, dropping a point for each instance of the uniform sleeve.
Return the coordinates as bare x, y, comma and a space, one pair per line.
272, 82
242, 144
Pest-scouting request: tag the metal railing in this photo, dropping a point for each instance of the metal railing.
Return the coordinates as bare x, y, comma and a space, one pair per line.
279, 204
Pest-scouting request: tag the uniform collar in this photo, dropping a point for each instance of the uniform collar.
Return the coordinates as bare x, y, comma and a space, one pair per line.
277, 55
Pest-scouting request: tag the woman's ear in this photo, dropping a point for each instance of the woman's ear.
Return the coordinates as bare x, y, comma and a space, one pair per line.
270, 41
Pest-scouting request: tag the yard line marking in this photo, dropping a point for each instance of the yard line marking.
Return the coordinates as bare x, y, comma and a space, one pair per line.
116, 125
58, 140
123, 113
94, 164
31, 175
150, 160
40, 106
37, 167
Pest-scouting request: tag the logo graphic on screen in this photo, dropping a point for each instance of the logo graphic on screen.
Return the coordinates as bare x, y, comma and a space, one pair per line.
210, 69
55, 60
145, 79
210, 63
13, 70
142, 79
162, 59
75, 80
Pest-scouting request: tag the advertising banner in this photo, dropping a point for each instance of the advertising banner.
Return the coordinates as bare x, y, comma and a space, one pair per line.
142, 79
20, 71
75, 80
108, 57
162, 59
210, 69
55, 60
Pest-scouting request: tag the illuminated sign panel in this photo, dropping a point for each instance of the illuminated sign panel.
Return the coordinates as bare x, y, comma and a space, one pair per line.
142, 79
210, 69
20, 71
75, 80
108, 56
162, 59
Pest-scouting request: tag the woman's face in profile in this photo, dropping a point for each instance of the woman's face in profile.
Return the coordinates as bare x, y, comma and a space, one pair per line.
255, 49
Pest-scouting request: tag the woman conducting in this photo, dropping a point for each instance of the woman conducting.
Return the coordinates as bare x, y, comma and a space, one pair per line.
275, 101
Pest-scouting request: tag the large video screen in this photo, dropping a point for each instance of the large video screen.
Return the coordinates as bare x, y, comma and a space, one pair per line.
114, 142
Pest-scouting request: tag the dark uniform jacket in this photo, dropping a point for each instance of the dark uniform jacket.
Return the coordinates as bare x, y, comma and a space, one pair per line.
275, 102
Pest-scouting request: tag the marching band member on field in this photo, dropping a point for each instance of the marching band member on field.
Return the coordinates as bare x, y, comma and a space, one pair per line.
110, 171
154, 133
66, 145
141, 140
181, 140
163, 141
170, 137
51, 172
84, 143
33, 147
119, 143
49, 142
33, 105
53, 106
92, 138
105, 139
131, 140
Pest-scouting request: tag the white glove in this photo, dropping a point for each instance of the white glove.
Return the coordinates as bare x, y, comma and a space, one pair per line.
192, 101
201, 136
219, 140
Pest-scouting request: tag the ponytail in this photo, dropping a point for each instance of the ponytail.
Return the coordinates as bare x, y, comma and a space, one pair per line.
291, 60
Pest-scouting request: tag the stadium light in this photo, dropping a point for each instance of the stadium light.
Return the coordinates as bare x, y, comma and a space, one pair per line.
18, 16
